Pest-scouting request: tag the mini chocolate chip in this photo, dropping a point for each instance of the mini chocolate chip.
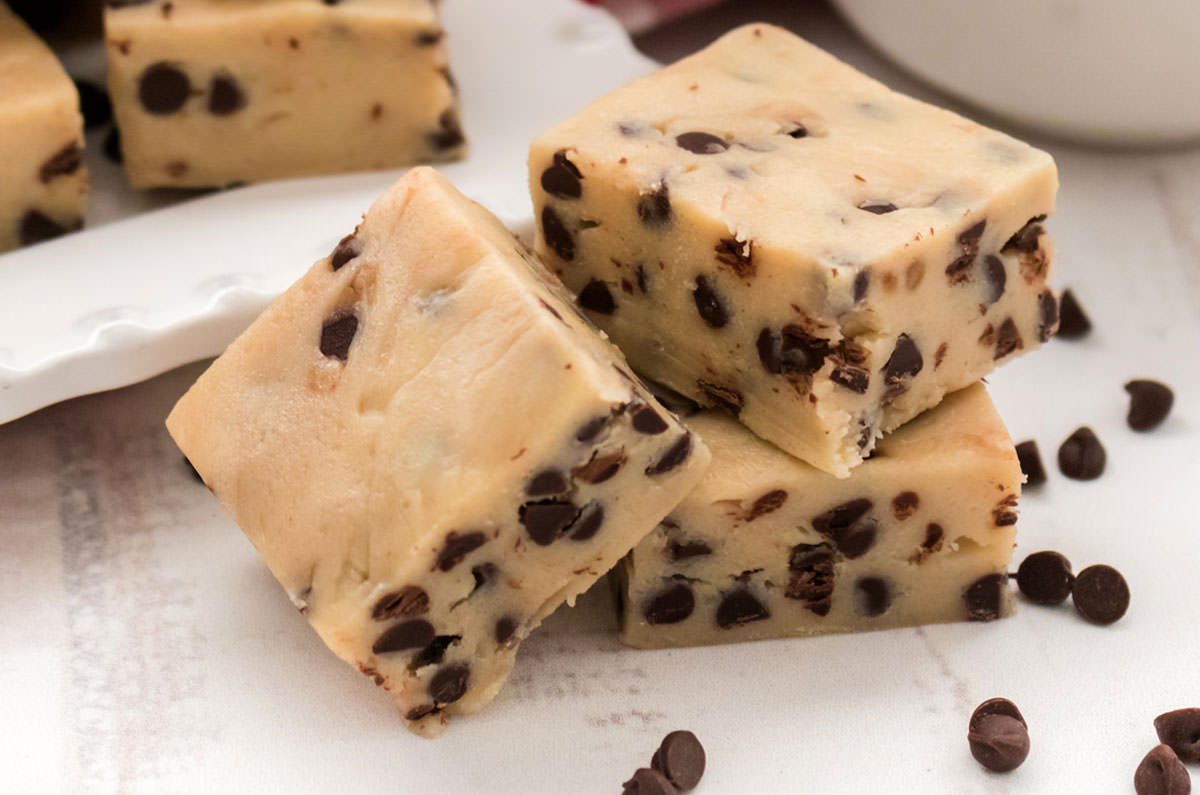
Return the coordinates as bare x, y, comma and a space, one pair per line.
849, 527
681, 759
506, 627
1073, 322
428, 38
969, 238
675, 455
905, 361
769, 350
1047, 315
797, 130
562, 179
800, 353
862, 281
337, 332
670, 606
738, 255
998, 735
1008, 339
556, 234
1100, 594
36, 227
483, 574
1161, 772
709, 304
1081, 456
434, 652
449, 133
740, 607
878, 206
933, 536
163, 88
548, 481
1045, 578
905, 504
1180, 729
1149, 403
416, 713
654, 208
591, 429
771, 501
94, 104
983, 597
457, 547
642, 280
873, 596
855, 379
647, 781
996, 278
347, 249
599, 468
415, 634
729, 399
646, 420
411, 600
959, 270
811, 566
1031, 463
225, 95
1025, 240
112, 146
450, 683
64, 162
682, 550
596, 297
588, 523
547, 520
701, 143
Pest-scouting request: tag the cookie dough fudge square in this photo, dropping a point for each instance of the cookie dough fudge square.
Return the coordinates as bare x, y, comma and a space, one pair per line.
762, 228
213, 92
431, 450
768, 547
43, 183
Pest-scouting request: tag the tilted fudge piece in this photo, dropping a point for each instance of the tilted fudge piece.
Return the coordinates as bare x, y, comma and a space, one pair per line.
212, 92
768, 547
43, 183
431, 450
763, 228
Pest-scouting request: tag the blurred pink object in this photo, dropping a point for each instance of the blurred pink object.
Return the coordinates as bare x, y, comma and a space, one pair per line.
641, 15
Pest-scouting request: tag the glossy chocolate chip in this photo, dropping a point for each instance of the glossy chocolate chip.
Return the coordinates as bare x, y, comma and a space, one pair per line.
969, 238
654, 208
36, 227
1149, 403
347, 249
548, 481
675, 455
984, 597
646, 420
64, 162
163, 88
588, 523
94, 104
434, 652
905, 361
415, 634
701, 143
337, 332
449, 133
562, 179
546, 521
506, 627
811, 567
457, 546
726, 397
905, 504
856, 379
1073, 322
596, 297
556, 234
682, 550
872, 596
1031, 463
1008, 339
411, 600
998, 735
995, 277
771, 501
450, 683
1081, 456
878, 206
225, 95
1161, 772
737, 255
1045, 578
1180, 729
740, 607
648, 781
848, 526
709, 303
1100, 594
599, 468
681, 759
670, 606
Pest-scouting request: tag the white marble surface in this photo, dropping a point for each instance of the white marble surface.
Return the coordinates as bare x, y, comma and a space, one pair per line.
145, 649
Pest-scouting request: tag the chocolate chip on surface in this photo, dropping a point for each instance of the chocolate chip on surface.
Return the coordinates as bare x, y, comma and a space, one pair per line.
995, 277
701, 143
1047, 315
483, 574
648, 781
682, 550
557, 236
770, 501
1031, 463
654, 207
646, 420
740, 607
225, 95
450, 683
1101, 594
812, 576
337, 332
1045, 578
64, 162
562, 179
1025, 240
506, 627
905, 504
872, 596
1081, 456
94, 104
717, 395
709, 303
425, 710
671, 605
1008, 339
163, 88
411, 600
596, 297
878, 206
675, 455
415, 634
1161, 772
599, 468
933, 537
347, 249
588, 523
1073, 322
681, 759
546, 521
849, 527
984, 597
456, 547
1149, 403
433, 653
998, 735
738, 255
1180, 729
905, 361
547, 482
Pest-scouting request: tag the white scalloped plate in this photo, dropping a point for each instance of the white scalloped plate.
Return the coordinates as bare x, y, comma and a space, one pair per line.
126, 300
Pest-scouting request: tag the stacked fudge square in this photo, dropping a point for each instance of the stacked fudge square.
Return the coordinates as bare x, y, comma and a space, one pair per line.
432, 445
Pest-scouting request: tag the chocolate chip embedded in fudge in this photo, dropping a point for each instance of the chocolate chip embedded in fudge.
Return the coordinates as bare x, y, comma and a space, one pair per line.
767, 546
43, 182
819, 255
215, 93
431, 450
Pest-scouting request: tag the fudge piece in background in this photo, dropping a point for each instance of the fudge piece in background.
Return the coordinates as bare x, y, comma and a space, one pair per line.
430, 448
768, 547
213, 92
43, 183
763, 228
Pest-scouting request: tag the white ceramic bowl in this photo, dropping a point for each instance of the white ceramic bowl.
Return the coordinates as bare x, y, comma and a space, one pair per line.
1110, 72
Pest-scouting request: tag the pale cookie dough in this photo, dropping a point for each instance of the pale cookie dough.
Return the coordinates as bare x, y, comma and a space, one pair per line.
43, 183
768, 547
431, 450
763, 228
214, 92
